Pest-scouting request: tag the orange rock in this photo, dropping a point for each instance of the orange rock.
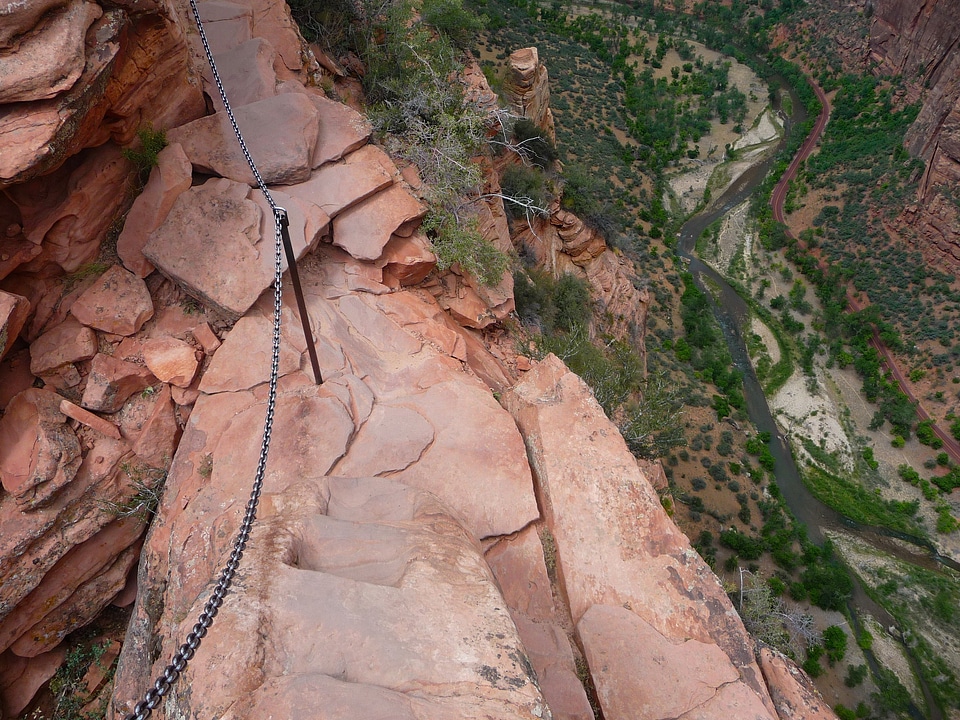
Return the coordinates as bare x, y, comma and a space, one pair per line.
89, 419
111, 381
204, 335
158, 439
21, 678
118, 302
793, 692
172, 361
14, 310
15, 375
342, 130
39, 453
365, 229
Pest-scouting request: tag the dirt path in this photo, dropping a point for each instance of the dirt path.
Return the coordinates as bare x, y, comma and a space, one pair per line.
777, 198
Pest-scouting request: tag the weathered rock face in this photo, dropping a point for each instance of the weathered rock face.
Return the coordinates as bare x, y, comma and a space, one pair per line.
920, 41
563, 244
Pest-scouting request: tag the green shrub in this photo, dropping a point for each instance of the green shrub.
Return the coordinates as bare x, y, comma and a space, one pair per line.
572, 300
450, 18
463, 244
533, 144
145, 157
527, 185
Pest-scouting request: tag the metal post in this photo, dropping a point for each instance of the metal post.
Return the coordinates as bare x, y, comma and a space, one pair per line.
298, 291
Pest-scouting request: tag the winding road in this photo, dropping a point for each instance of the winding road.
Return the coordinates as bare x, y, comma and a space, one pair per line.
777, 199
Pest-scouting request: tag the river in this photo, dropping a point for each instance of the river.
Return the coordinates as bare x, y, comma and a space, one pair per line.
733, 314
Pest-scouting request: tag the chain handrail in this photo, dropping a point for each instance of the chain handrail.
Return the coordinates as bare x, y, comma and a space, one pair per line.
185, 653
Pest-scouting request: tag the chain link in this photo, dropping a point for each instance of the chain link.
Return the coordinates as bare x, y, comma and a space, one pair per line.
182, 657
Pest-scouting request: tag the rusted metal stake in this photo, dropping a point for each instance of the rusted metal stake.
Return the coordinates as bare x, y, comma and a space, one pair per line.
298, 291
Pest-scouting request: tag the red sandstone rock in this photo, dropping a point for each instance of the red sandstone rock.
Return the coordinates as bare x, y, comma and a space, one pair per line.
14, 311
69, 211
407, 260
39, 453
246, 72
365, 229
280, 133
338, 186
204, 335
50, 59
89, 419
21, 678
84, 562
226, 25
527, 89
15, 375
440, 645
22, 17
342, 130
111, 381
793, 693
617, 547
307, 222
158, 439
172, 361
118, 302
171, 177
207, 245
243, 361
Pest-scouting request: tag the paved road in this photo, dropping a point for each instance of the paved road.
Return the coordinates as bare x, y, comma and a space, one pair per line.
950, 445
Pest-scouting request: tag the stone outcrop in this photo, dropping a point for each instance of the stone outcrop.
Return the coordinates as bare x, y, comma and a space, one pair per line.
921, 42
526, 89
564, 244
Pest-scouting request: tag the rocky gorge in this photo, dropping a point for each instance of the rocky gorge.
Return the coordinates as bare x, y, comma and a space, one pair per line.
446, 531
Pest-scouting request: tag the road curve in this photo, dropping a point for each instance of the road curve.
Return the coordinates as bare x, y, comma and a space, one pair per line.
777, 199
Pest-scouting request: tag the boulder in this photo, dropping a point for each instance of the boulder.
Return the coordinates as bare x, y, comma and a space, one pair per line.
280, 132
172, 176
172, 361
226, 25
39, 453
616, 546
117, 303
111, 381
14, 311
157, 442
85, 417
207, 245
68, 342
50, 59
407, 260
19, 18
364, 229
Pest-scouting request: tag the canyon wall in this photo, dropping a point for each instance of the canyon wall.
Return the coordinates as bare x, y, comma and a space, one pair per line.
921, 42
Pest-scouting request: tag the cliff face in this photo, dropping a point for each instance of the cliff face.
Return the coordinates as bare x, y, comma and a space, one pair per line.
397, 568
921, 42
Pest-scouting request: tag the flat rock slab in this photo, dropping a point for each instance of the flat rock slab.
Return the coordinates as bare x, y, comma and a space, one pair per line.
616, 546
342, 130
111, 381
246, 72
68, 342
172, 361
207, 244
280, 133
338, 186
404, 618
118, 302
365, 229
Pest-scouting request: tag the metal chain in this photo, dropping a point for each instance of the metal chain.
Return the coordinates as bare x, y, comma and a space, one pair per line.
182, 657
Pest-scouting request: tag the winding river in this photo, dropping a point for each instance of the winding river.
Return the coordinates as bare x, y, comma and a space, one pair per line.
733, 314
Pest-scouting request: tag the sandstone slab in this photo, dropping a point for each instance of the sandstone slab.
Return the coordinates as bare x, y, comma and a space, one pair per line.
364, 229
226, 24
342, 130
118, 303
39, 453
172, 361
407, 260
157, 442
243, 360
246, 72
793, 692
14, 310
85, 417
280, 133
207, 245
50, 60
405, 620
338, 186
22, 17
21, 678
615, 544
111, 381
171, 176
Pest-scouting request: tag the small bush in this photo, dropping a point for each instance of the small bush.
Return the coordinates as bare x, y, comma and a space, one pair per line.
463, 244
534, 144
